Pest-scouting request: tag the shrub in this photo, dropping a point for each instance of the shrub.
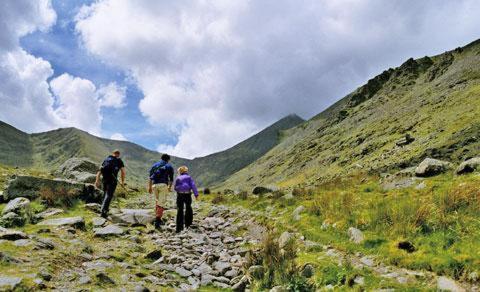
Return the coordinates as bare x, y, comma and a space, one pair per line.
279, 264
218, 199
206, 191
243, 195
58, 197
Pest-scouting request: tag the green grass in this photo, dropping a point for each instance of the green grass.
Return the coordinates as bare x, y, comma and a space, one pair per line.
441, 221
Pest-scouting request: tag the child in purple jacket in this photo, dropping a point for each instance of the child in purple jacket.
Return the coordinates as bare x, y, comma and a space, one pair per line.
184, 186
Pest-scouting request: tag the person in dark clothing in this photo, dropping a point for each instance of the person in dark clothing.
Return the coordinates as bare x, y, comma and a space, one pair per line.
184, 186
109, 172
160, 182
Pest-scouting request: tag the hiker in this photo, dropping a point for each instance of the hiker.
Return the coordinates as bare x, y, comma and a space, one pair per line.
184, 186
160, 182
109, 172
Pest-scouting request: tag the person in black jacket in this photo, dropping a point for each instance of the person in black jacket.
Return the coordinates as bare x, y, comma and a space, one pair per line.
109, 172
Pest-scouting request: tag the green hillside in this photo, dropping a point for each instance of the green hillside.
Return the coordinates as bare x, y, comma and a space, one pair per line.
15, 146
436, 100
219, 166
50, 149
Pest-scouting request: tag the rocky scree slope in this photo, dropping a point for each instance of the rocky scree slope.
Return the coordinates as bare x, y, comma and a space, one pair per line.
428, 107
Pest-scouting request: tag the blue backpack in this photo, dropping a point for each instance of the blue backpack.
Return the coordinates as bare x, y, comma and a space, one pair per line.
158, 170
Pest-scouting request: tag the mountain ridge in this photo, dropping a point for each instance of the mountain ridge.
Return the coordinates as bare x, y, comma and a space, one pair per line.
434, 99
48, 150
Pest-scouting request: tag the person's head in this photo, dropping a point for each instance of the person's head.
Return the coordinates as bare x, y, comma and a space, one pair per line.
116, 153
166, 157
182, 169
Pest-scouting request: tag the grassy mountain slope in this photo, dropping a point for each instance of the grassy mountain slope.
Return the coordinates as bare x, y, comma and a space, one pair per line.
218, 166
15, 146
434, 99
50, 149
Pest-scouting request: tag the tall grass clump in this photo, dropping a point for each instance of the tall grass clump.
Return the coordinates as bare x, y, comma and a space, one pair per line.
279, 265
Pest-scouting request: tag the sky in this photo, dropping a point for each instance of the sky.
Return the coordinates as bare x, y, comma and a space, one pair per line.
194, 77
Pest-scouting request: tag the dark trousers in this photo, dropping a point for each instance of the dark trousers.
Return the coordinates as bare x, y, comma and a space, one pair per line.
184, 202
108, 191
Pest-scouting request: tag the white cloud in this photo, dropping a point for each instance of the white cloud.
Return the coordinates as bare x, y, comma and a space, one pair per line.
212, 65
112, 95
78, 103
28, 100
118, 137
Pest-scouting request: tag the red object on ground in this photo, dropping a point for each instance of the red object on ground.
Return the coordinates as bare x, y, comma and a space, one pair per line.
159, 211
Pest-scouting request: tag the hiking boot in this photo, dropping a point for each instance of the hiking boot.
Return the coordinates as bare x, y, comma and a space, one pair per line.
104, 215
158, 223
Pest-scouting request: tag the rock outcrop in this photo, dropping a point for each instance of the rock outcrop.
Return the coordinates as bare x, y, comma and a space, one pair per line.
32, 187
431, 167
469, 166
78, 169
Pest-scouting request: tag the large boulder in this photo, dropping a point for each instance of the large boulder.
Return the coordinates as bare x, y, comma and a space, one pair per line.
261, 190
17, 205
133, 217
78, 169
31, 187
9, 234
469, 166
431, 167
12, 220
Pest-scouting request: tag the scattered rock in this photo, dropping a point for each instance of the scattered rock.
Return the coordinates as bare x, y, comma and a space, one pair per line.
447, 284
278, 289
84, 280
22, 242
45, 243
95, 207
421, 186
99, 221
406, 246
359, 280
9, 282
308, 271
97, 265
284, 239
356, 235
48, 213
78, 169
241, 285
104, 279
9, 234
183, 272
222, 267
110, 230
141, 288
296, 213
405, 140
75, 222
17, 205
260, 190
154, 255
134, 217
469, 166
431, 167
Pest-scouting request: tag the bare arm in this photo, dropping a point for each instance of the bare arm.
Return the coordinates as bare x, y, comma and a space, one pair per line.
123, 174
97, 179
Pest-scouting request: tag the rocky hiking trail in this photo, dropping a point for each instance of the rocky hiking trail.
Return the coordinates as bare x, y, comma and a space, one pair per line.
125, 252
86, 252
